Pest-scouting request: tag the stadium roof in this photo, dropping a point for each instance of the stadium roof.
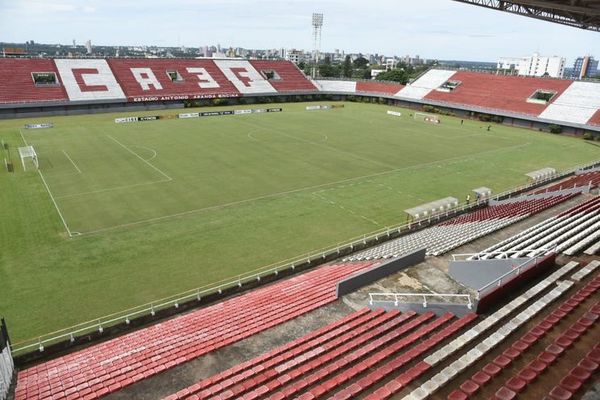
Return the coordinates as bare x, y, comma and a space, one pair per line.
584, 14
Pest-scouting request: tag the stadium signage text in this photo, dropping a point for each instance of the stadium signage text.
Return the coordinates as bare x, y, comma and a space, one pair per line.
136, 119
228, 112
39, 126
183, 97
394, 113
323, 107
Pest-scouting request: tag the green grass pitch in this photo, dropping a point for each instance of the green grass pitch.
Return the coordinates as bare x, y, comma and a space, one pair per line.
166, 206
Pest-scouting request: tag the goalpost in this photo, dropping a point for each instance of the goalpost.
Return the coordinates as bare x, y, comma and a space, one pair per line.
28, 152
431, 118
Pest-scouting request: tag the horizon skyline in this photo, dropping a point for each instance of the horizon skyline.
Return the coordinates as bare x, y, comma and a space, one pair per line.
488, 35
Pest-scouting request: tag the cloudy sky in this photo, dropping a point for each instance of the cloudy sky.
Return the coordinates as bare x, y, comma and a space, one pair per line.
441, 29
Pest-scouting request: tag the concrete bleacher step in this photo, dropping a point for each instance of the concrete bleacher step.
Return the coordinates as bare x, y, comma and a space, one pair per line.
245, 369
460, 230
123, 361
546, 230
560, 235
581, 240
345, 366
593, 249
381, 327
321, 371
459, 344
521, 345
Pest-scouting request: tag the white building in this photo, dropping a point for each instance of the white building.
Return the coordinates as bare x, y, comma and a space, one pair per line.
295, 56
535, 65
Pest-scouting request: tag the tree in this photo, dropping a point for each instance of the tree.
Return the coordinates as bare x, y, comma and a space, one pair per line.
329, 71
347, 67
395, 75
360, 63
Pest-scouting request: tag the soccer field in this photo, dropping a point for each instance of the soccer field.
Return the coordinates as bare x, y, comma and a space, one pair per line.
159, 207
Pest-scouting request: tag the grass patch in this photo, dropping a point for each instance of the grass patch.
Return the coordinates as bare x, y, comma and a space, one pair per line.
170, 205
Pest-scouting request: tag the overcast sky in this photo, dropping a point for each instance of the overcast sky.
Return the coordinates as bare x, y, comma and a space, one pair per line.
441, 29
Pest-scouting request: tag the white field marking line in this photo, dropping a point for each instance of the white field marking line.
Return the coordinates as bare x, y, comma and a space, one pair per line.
320, 144
333, 203
224, 205
62, 218
154, 153
72, 162
23, 137
307, 188
112, 188
141, 158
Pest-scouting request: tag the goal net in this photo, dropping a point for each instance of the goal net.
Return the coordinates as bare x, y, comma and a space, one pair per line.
431, 118
27, 153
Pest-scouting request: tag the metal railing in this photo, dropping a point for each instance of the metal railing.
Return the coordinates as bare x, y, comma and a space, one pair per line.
504, 254
387, 298
314, 257
516, 271
7, 365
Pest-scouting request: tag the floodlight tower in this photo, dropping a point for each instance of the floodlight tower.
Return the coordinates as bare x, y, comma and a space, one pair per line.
317, 24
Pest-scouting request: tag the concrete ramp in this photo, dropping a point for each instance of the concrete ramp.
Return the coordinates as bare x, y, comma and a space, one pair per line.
478, 273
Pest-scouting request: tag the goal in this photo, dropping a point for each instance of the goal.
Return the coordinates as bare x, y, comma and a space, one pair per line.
431, 118
28, 152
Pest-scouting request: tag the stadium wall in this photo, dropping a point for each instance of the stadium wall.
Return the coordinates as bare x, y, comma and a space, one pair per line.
34, 110
7, 367
369, 276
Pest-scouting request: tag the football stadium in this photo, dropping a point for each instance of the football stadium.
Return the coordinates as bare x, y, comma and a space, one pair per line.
195, 228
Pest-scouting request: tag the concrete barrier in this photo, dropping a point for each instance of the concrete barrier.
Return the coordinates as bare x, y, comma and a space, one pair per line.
369, 276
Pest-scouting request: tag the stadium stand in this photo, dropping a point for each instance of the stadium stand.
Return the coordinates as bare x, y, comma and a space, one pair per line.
491, 361
107, 367
140, 79
378, 87
325, 363
595, 120
244, 77
569, 231
113, 80
17, 84
426, 83
376, 354
533, 359
578, 103
497, 92
89, 80
442, 238
288, 77
591, 179
336, 86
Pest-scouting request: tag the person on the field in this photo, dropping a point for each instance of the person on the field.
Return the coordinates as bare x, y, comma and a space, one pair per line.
468, 198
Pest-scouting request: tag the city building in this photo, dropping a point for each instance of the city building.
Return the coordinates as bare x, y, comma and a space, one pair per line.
585, 67
534, 65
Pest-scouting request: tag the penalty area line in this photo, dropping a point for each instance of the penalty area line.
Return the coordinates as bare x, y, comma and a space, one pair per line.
62, 218
140, 157
72, 162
